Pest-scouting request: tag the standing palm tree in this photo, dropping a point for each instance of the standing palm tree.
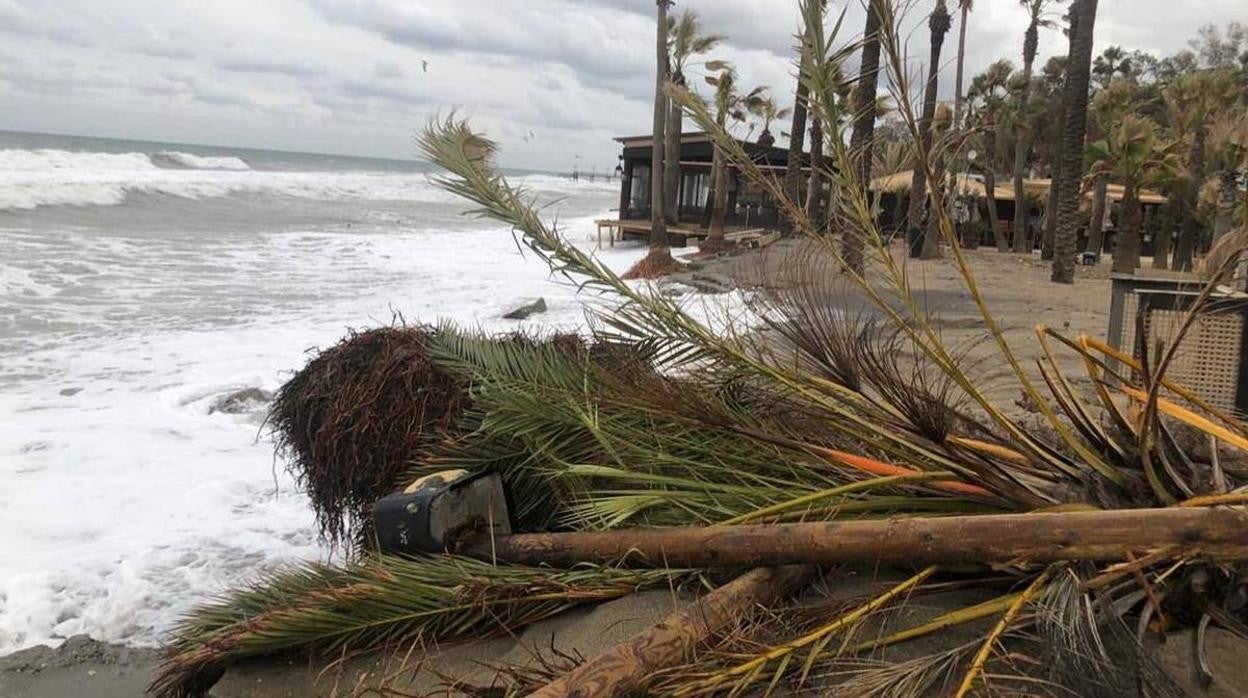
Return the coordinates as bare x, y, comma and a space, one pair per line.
1193, 100
1031, 42
938, 24
685, 41
861, 141
797, 130
728, 104
766, 109
1105, 112
988, 92
659, 259
1131, 153
1228, 139
965, 7
1049, 89
1074, 127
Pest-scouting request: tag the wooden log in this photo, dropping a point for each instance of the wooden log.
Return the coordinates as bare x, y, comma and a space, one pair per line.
626, 668
1219, 533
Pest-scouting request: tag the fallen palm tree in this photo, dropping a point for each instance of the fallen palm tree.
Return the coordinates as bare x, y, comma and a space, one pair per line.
823, 447
348, 423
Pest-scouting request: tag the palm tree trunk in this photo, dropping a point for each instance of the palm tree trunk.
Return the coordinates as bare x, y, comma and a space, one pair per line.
814, 187
1165, 233
658, 225
797, 140
932, 235
1074, 127
990, 189
1050, 221
671, 153
1096, 227
719, 207
1183, 253
1022, 241
938, 23
1127, 247
1225, 219
863, 137
957, 94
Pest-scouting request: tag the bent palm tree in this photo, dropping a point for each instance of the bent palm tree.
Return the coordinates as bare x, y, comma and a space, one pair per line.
685, 41
1074, 128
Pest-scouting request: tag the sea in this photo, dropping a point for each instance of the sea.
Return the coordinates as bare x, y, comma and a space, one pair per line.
142, 282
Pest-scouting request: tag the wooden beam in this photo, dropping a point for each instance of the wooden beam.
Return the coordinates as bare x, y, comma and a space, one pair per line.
1220, 533
626, 668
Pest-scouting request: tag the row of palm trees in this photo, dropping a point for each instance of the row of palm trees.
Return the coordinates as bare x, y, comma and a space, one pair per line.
1067, 118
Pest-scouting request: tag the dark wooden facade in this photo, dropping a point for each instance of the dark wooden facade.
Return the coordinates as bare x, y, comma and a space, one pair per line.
748, 206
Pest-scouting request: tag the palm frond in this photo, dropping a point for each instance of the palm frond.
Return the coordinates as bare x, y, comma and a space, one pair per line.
379, 602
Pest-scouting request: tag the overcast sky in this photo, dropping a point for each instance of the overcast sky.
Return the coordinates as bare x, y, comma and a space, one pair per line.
551, 79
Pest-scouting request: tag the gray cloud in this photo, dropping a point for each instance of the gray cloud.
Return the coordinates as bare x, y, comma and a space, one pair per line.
347, 75
269, 64
386, 69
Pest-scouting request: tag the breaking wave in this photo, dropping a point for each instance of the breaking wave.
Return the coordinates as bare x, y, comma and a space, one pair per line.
186, 161
31, 179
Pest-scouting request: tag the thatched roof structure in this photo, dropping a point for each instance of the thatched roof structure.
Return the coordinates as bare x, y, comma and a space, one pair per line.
1004, 191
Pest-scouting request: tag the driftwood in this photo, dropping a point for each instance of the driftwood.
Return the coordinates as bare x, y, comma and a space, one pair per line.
626, 668
1219, 533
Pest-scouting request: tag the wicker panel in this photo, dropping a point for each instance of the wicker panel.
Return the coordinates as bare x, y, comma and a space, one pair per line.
1126, 332
1209, 357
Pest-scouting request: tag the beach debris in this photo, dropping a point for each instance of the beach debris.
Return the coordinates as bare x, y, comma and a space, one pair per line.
351, 421
453, 511
628, 668
524, 311
241, 401
706, 282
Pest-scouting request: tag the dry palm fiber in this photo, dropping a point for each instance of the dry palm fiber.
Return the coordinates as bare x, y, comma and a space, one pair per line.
349, 422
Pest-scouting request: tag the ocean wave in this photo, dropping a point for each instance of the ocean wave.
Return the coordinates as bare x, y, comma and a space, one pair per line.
186, 161
45, 160
31, 179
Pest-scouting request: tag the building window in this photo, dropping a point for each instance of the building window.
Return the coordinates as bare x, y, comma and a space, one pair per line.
693, 190
639, 193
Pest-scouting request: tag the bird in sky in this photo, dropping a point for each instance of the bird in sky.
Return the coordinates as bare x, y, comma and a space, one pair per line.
424, 66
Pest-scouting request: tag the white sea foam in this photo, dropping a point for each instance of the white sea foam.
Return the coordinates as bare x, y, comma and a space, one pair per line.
198, 162
126, 502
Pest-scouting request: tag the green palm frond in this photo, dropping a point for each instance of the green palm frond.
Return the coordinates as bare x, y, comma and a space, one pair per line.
380, 602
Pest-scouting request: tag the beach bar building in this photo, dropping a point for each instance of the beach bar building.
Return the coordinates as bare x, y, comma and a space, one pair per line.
894, 191
750, 210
